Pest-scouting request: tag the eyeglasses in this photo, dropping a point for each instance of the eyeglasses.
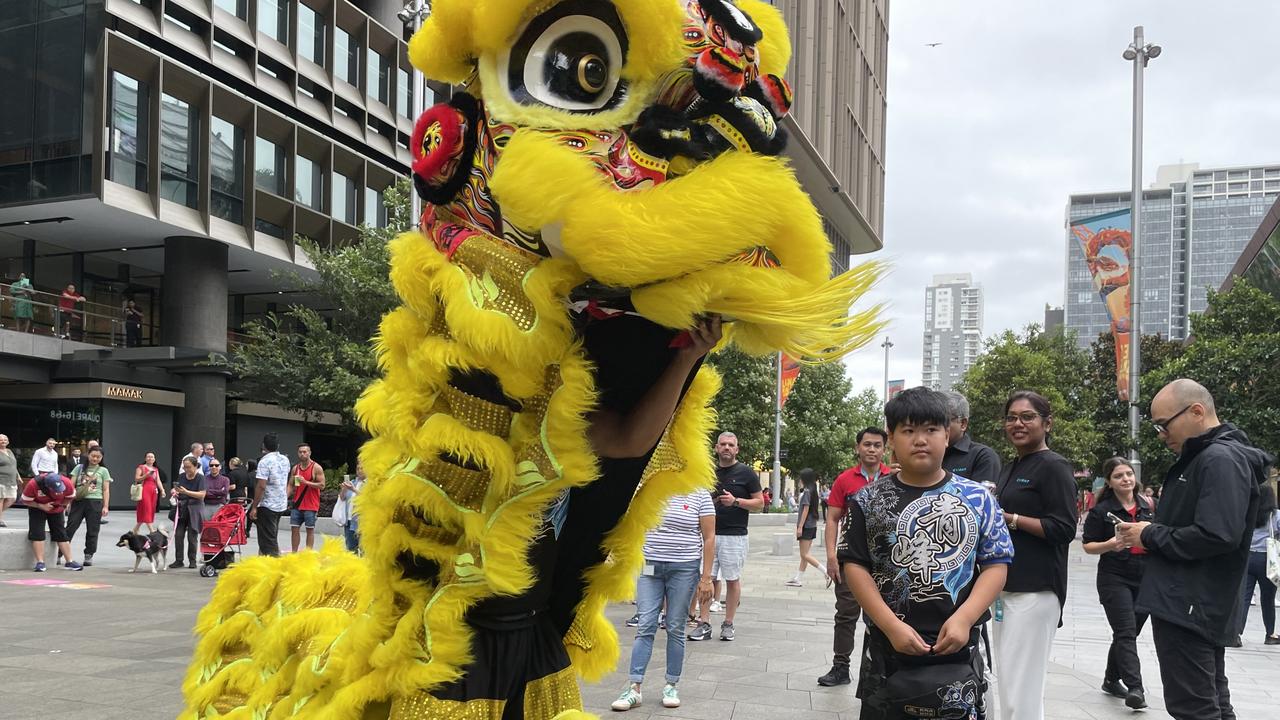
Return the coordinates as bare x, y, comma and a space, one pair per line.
1162, 426
1027, 418
214, 465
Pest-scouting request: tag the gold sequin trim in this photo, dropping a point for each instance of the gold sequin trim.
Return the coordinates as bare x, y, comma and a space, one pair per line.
665, 458
228, 702
577, 636
463, 486
495, 278
424, 706
478, 414
551, 695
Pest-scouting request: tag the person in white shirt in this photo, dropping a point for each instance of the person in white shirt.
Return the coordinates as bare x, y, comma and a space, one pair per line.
45, 460
269, 495
197, 452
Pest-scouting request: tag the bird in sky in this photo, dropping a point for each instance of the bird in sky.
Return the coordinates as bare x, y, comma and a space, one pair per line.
932, 44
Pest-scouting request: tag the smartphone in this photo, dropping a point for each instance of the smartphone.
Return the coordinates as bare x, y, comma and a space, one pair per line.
1115, 519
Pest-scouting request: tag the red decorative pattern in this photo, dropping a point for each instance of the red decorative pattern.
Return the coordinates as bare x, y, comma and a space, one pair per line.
437, 142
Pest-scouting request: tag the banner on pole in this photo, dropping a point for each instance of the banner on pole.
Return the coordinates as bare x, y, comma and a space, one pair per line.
790, 371
895, 387
1107, 242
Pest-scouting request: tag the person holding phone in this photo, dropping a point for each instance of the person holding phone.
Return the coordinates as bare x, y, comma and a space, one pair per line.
1120, 571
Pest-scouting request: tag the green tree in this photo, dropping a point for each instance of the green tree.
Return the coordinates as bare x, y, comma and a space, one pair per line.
1048, 363
1111, 414
1234, 352
319, 357
822, 417
744, 405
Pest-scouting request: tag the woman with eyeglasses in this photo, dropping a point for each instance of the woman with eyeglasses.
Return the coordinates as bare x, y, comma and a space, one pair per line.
1037, 492
1120, 570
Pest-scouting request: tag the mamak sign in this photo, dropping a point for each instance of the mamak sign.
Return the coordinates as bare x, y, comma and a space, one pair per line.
124, 393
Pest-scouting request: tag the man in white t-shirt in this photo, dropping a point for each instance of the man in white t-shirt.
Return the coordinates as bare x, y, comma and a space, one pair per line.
45, 460
269, 495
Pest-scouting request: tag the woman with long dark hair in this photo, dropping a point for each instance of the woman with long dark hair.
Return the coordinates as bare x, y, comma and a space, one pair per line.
1037, 492
1120, 575
1266, 524
807, 525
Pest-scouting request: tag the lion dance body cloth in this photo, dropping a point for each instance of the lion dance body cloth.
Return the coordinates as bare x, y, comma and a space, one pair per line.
605, 175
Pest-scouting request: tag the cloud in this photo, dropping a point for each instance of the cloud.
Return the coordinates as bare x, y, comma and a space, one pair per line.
1025, 103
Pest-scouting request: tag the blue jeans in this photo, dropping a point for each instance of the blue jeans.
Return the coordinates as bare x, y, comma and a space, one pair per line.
351, 533
674, 581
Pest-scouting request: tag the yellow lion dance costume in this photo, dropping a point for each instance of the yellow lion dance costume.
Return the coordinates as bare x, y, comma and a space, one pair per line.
605, 177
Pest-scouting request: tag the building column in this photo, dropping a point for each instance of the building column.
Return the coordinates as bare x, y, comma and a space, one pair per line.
194, 317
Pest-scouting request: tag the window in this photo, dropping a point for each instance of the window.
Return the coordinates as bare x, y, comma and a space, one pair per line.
311, 34
375, 211
268, 166
404, 93
344, 199
179, 150
346, 57
378, 78
273, 19
226, 174
239, 8
309, 185
268, 228
127, 164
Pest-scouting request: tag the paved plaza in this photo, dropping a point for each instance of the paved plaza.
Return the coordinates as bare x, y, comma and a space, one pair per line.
119, 652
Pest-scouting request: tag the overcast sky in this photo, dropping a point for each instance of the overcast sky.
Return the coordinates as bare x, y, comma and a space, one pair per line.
1027, 101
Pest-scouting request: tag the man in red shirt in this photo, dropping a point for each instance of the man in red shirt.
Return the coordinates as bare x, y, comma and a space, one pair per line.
47, 498
67, 309
304, 499
870, 468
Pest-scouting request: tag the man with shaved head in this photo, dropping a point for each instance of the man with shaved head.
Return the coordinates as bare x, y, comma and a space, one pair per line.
1197, 549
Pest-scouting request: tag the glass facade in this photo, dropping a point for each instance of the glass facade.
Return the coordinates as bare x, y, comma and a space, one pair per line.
128, 131
344, 199
226, 171
43, 81
346, 57
309, 187
269, 167
311, 34
239, 8
378, 78
404, 93
1223, 226
375, 210
179, 149
273, 19
1264, 271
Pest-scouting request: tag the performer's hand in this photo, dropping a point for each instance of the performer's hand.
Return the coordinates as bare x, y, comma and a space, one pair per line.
703, 337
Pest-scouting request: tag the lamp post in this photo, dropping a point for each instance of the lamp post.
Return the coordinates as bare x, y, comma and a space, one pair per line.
775, 479
886, 345
411, 16
1139, 53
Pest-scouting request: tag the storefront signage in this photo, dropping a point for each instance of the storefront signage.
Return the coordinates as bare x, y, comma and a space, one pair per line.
75, 415
124, 393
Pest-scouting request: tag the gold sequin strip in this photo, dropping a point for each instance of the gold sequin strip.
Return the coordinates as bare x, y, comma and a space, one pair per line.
495, 277
665, 458
551, 695
478, 414
424, 706
465, 487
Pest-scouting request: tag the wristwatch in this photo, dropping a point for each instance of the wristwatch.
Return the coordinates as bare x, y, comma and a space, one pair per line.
735, 502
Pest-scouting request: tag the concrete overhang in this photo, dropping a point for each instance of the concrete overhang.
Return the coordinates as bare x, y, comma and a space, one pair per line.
832, 200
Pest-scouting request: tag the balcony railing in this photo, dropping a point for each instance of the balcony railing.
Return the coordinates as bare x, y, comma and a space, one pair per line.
36, 311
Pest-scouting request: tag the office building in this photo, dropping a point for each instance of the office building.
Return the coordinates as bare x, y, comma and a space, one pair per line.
952, 329
168, 152
1052, 319
839, 69
1195, 224
1259, 263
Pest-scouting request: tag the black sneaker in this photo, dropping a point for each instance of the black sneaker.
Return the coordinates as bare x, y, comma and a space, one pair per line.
88, 560
177, 566
1272, 640
1114, 688
839, 675
726, 631
702, 632
1136, 699
634, 620
662, 621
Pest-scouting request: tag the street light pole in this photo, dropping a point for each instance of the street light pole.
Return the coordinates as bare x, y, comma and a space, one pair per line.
412, 15
1139, 53
886, 345
775, 482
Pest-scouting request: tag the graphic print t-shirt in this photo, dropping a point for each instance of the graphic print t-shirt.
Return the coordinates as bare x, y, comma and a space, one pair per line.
922, 546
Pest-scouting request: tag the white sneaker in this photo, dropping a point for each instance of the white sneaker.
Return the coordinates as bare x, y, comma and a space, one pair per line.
630, 698
717, 606
794, 582
1253, 601
669, 697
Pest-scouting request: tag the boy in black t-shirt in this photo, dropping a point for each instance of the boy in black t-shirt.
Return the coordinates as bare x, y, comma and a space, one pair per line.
925, 553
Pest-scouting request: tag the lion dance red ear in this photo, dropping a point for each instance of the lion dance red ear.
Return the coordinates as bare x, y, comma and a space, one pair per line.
581, 215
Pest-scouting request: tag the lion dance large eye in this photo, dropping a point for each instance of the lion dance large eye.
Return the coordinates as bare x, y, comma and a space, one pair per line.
569, 58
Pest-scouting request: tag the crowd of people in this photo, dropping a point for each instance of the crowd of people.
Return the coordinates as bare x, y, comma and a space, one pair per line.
65, 493
940, 546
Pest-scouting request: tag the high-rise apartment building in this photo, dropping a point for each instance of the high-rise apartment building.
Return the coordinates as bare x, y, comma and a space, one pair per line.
839, 69
1195, 223
952, 329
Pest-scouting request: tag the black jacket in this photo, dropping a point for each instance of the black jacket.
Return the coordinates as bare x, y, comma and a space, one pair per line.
1040, 485
972, 461
1097, 528
1199, 545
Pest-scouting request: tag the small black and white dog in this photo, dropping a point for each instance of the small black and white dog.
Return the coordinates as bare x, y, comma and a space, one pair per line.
154, 547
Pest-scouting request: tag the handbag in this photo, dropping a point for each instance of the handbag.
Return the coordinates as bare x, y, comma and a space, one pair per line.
1273, 553
135, 492
82, 488
940, 689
